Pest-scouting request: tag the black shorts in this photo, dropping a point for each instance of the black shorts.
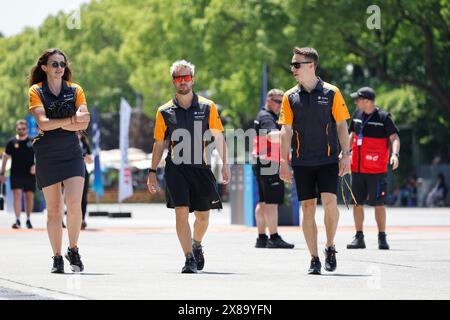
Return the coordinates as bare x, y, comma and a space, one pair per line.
311, 181
27, 184
270, 188
193, 187
369, 188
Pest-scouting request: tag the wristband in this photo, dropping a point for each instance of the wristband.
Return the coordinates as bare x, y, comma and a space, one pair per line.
151, 170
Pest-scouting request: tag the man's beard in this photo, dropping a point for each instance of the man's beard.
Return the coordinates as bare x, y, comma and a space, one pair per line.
184, 92
22, 135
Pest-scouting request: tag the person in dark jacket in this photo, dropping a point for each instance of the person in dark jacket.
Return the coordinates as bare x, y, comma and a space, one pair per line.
314, 119
270, 186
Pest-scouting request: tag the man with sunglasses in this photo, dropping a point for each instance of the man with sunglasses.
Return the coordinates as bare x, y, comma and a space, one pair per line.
270, 187
371, 130
189, 122
313, 118
19, 150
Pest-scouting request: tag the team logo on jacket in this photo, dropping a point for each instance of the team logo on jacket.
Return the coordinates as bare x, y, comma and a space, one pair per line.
199, 115
372, 158
322, 100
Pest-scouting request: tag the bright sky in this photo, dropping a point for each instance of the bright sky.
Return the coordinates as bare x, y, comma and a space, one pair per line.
15, 15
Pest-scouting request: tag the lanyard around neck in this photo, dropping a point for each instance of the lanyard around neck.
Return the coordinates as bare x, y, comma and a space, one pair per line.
363, 123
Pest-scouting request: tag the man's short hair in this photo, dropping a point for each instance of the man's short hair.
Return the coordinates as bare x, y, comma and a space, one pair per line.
274, 93
21, 121
182, 63
309, 53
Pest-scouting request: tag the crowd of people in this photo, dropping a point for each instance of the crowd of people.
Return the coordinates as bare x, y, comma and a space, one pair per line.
415, 192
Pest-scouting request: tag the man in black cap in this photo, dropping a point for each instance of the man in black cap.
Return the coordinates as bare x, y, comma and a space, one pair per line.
371, 129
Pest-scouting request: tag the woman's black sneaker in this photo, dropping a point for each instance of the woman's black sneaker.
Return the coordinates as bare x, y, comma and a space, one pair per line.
190, 265
358, 242
278, 243
29, 225
315, 267
382, 242
58, 264
330, 259
75, 260
197, 251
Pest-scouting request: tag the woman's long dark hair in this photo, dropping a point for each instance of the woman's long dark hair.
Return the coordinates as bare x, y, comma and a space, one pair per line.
38, 75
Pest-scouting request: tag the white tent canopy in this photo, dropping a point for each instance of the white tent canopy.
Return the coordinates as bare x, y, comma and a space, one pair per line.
136, 158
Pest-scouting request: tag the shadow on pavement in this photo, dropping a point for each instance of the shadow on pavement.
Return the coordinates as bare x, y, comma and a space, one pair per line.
345, 275
88, 274
221, 273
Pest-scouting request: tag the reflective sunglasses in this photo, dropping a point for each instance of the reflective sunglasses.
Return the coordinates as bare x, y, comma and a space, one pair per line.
186, 78
298, 65
277, 101
56, 64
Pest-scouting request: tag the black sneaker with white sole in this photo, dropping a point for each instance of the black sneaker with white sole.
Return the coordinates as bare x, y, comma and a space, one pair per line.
315, 267
190, 266
75, 260
58, 264
330, 259
198, 253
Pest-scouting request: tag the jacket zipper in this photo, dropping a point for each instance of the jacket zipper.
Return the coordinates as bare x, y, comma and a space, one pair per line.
328, 141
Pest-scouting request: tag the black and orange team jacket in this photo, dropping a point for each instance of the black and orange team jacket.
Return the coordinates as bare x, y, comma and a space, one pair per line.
313, 117
200, 117
41, 96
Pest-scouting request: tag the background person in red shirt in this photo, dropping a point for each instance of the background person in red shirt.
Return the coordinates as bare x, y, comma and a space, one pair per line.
270, 186
371, 129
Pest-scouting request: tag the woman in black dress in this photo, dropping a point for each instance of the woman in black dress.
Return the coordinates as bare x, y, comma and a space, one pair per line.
60, 109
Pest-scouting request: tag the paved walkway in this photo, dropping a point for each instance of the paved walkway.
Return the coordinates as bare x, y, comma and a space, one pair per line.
140, 258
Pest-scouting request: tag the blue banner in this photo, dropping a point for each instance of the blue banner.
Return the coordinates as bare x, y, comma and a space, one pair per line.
249, 206
32, 126
98, 182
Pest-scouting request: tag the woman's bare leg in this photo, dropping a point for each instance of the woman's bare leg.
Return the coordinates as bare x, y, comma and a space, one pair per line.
73, 192
53, 200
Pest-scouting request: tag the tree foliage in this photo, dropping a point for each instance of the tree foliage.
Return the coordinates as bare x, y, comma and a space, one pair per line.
125, 48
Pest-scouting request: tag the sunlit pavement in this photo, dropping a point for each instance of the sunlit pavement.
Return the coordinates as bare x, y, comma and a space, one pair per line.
140, 258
